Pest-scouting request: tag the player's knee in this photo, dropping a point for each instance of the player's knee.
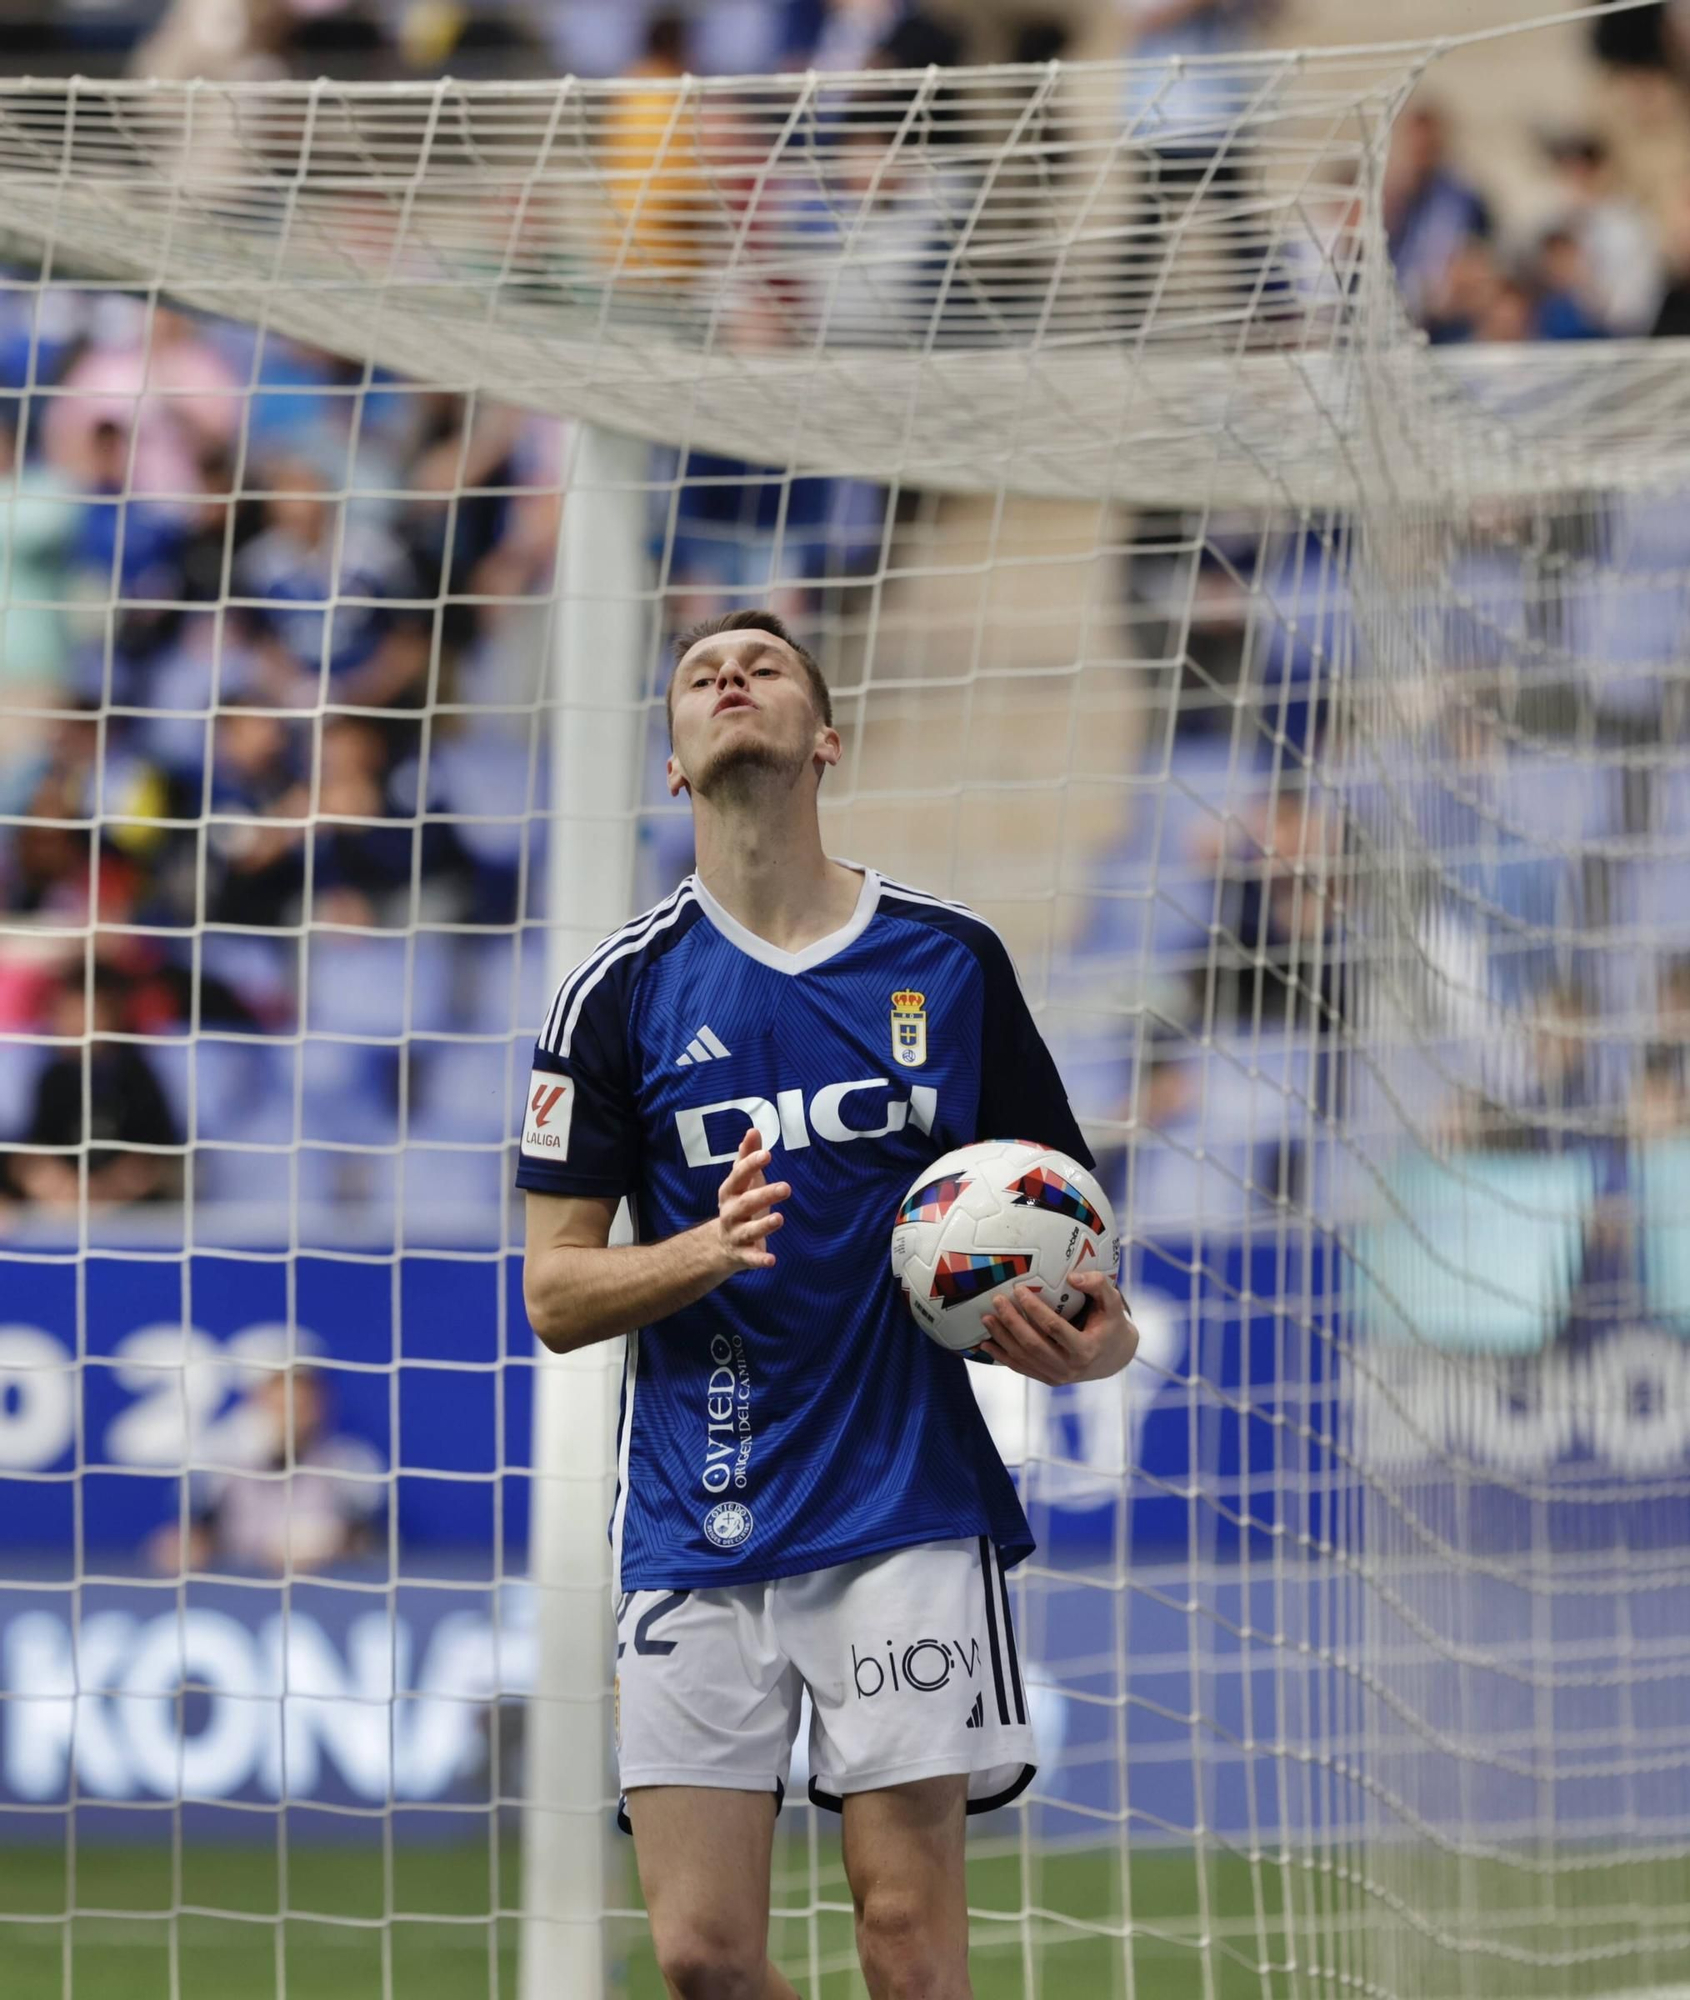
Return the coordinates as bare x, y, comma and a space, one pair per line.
706, 1960
904, 1952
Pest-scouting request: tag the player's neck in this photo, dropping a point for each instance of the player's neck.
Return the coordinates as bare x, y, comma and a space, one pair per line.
774, 877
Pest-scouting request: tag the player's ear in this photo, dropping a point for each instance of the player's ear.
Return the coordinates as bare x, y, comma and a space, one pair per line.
830, 747
676, 777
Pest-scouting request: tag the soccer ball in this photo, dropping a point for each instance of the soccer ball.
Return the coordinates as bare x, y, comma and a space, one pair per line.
991, 1216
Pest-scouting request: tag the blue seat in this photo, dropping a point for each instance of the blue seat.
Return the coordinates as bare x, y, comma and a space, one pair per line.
489, 776
20, 1064
1651, 902
347, 1093
243, 1089
462, 1091
506, 988
1180, 1187
1479, 1254
264, 971
1255, 1089
379, 984
451, 1194
1484, 611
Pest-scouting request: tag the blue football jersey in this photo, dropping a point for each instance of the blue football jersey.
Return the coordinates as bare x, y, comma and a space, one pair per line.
793, 1418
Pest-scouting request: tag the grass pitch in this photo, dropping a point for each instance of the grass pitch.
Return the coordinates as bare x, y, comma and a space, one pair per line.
437, 1923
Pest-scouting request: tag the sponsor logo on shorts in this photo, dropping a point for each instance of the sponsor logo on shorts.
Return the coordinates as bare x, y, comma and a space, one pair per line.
926, 1665
728, 1525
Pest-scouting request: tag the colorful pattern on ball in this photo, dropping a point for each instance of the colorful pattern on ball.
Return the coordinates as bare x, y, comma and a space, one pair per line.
927, 1204
1039, 1187
962, 1275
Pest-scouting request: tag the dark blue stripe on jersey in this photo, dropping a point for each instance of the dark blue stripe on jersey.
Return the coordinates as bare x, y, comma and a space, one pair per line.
602, 965
572, 980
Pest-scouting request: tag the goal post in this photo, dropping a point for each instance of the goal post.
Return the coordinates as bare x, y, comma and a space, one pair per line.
1304, 706
600, 675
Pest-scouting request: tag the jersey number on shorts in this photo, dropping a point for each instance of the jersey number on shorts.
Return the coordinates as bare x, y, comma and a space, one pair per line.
643, 1641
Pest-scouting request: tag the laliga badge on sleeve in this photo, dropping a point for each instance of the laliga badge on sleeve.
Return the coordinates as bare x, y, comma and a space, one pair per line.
545, 1123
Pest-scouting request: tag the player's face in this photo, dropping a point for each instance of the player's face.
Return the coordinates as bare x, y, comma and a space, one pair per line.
741, 707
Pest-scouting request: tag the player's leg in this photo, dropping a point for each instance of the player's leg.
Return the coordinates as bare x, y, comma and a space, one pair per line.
918, 1712
704, 1868
904, 1859
706, 1707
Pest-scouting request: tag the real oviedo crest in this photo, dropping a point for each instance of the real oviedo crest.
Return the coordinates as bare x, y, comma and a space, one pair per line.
909, 1029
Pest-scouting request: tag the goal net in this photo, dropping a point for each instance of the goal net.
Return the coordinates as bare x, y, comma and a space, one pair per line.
1304, 706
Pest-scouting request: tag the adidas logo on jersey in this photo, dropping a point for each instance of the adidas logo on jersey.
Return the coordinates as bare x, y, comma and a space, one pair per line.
705, 1046
977, 1714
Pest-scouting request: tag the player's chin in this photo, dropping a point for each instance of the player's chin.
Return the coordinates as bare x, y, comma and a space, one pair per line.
732, 764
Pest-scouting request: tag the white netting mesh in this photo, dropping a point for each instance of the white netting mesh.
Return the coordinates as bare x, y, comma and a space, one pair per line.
1306, 706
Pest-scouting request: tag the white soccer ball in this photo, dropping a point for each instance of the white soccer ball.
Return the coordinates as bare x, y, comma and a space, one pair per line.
992, 1216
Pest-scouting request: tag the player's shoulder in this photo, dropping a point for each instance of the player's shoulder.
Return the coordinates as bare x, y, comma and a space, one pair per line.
603, 981
950, 919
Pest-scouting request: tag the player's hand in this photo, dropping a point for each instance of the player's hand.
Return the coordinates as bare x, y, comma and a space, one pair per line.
746, 1215
1034, 1339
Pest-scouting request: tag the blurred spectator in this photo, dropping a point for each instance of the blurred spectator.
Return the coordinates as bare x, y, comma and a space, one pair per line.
59, 869
363, 871
37, 522
190, 566
916, 40
108, 1100
1481, 300
1562, 1083
328, 602
309, 1495
1563, 310
1672, 1000
653, 178
852, 32
1181, 117
1631, 37
1658, 1106
1278, 914
1622, 262
1672, 321
335, 38
259, 802
470, 534
366, 849
259, 39
155, 375
212, 38
1187, 111
124, 545
1431, 211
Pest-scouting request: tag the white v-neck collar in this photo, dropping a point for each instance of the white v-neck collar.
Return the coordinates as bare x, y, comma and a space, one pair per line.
812, 955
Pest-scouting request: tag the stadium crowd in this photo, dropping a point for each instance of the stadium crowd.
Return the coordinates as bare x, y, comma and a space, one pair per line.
274, 639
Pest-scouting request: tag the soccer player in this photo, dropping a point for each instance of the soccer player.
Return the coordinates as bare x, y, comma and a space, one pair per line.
807, 1495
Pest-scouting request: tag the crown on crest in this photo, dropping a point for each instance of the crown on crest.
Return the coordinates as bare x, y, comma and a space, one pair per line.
907, 1002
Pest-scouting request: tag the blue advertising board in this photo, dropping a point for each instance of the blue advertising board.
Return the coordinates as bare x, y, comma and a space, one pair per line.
119, 1369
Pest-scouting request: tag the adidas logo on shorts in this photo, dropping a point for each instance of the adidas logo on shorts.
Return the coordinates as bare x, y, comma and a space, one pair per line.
977, 1714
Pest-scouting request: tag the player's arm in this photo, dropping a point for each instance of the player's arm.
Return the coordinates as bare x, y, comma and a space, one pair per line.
580, 1289
1021, 1095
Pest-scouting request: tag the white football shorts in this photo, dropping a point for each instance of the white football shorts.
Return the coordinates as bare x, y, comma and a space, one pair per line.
909, 1659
